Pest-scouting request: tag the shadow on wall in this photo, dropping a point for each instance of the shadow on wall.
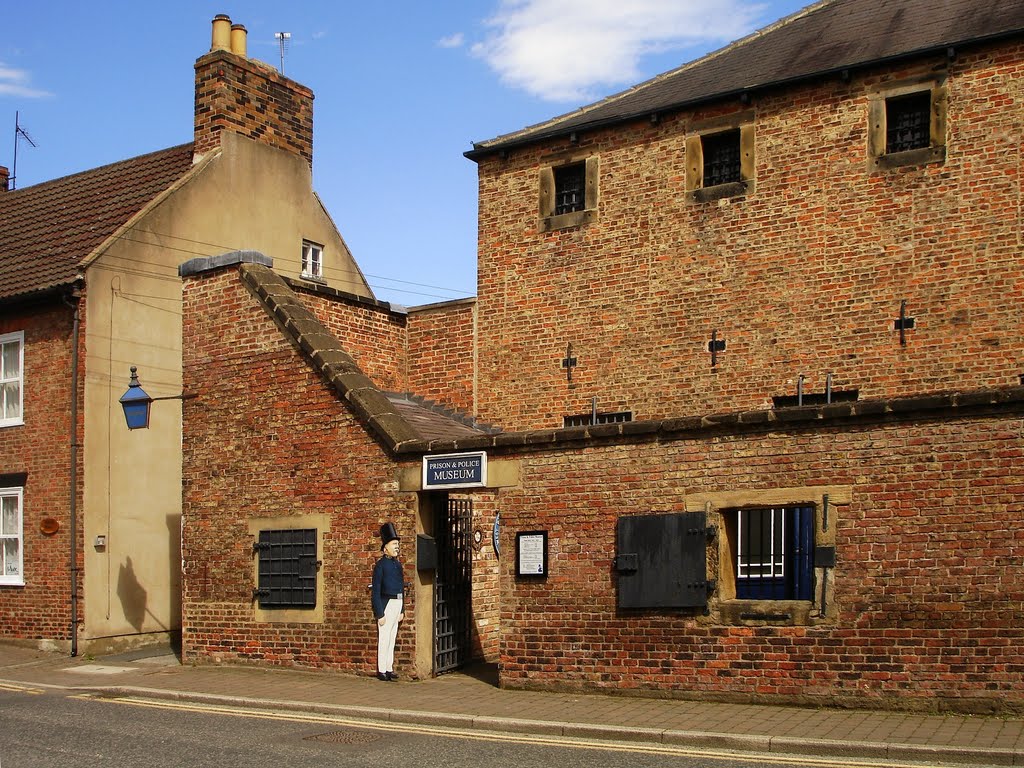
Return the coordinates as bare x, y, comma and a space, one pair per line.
132, 595
174, 563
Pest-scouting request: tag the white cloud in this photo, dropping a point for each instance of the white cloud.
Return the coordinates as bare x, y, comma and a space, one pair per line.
452, 41
561, 50
14, 82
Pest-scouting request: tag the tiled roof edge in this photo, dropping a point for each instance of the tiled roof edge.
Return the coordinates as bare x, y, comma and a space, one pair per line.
567, 123
139, 215
959, 404
325, 353
446, 411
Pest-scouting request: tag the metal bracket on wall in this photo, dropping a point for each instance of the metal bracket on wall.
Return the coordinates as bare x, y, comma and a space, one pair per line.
569, 362
715, 346
903, 323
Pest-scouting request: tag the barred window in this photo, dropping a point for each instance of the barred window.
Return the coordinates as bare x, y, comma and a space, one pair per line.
908, 122
586, 419
721, 158
774, 553
570, 188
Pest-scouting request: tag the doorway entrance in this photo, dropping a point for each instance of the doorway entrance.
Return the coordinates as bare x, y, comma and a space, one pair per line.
453, 581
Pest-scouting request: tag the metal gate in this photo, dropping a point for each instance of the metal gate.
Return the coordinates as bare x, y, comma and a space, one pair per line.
452, 584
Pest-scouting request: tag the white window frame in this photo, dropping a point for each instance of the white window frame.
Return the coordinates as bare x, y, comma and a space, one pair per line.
17, 379
16, 578
312, 260
775, 566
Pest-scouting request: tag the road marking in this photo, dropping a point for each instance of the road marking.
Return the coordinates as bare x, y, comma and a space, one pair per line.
494, 736
20, 688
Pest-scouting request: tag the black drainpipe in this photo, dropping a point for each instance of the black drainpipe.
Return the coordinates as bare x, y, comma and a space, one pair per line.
75, 303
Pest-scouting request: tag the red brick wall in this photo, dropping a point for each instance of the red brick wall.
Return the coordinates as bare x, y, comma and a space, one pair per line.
374, 336
269, 439
441, 347
929, 580
41, 609
252, 99
486, 587
803, 276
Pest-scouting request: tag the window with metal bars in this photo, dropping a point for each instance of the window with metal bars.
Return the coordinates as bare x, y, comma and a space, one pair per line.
774, 553
721, 153
908, 122
570, 188
586, 419
287, 568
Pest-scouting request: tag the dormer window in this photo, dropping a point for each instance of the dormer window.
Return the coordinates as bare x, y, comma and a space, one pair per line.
312, 260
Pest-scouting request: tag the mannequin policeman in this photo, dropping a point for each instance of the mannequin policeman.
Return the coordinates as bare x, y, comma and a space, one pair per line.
386, 595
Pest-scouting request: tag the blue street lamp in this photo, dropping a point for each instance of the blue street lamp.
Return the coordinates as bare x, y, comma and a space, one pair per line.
136, 403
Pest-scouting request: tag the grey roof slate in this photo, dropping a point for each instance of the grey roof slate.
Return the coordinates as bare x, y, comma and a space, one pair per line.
47, 229
827, 37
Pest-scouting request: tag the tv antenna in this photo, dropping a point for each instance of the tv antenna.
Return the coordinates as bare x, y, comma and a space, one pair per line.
19, 134
283, 38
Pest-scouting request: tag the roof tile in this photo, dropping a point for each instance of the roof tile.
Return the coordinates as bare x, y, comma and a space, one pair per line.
829, 36
47, 229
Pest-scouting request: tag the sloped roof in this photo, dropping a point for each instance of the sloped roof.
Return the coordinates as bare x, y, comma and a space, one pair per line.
403, 423
827, 37
434, 422
47, 229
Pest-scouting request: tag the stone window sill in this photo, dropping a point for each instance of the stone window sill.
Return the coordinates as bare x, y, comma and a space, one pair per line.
922, 156
722, 191
766, 613
566, 220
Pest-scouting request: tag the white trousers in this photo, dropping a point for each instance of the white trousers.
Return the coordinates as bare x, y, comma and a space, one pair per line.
386, 635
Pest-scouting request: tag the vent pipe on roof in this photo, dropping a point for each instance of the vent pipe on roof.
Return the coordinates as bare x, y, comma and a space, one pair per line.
221, 40
238, 40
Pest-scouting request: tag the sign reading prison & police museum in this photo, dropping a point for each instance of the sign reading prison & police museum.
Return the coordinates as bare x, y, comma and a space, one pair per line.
455, 470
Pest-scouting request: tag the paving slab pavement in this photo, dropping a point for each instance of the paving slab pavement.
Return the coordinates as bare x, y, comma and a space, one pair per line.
471, 700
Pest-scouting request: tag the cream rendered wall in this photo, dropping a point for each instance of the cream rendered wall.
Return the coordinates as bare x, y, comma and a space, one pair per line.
246, 197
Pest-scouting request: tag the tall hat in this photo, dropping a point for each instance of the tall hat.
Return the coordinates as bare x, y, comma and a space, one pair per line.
387, 534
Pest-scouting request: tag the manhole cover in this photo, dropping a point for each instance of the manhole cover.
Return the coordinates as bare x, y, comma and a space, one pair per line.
345, 737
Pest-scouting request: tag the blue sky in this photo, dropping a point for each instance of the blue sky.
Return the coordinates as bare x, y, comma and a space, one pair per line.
402, 90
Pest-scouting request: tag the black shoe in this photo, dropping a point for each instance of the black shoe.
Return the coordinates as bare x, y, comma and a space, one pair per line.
391, 676
383, 676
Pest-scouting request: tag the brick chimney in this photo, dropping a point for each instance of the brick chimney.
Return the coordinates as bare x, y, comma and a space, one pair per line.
5, 177
244, 96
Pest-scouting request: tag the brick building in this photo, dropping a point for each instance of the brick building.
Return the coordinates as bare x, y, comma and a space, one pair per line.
748, 336
89, 287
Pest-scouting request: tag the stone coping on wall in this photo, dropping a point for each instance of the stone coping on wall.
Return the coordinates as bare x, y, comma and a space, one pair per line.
934, 405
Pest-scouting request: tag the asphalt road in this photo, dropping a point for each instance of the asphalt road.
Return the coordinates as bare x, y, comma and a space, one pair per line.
54, 728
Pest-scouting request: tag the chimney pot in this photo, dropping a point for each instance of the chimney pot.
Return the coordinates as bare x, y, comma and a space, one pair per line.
221, 40
238, 40
5, 176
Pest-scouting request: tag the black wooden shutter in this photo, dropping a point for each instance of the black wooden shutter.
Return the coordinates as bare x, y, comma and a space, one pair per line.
662, 561
287, 568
